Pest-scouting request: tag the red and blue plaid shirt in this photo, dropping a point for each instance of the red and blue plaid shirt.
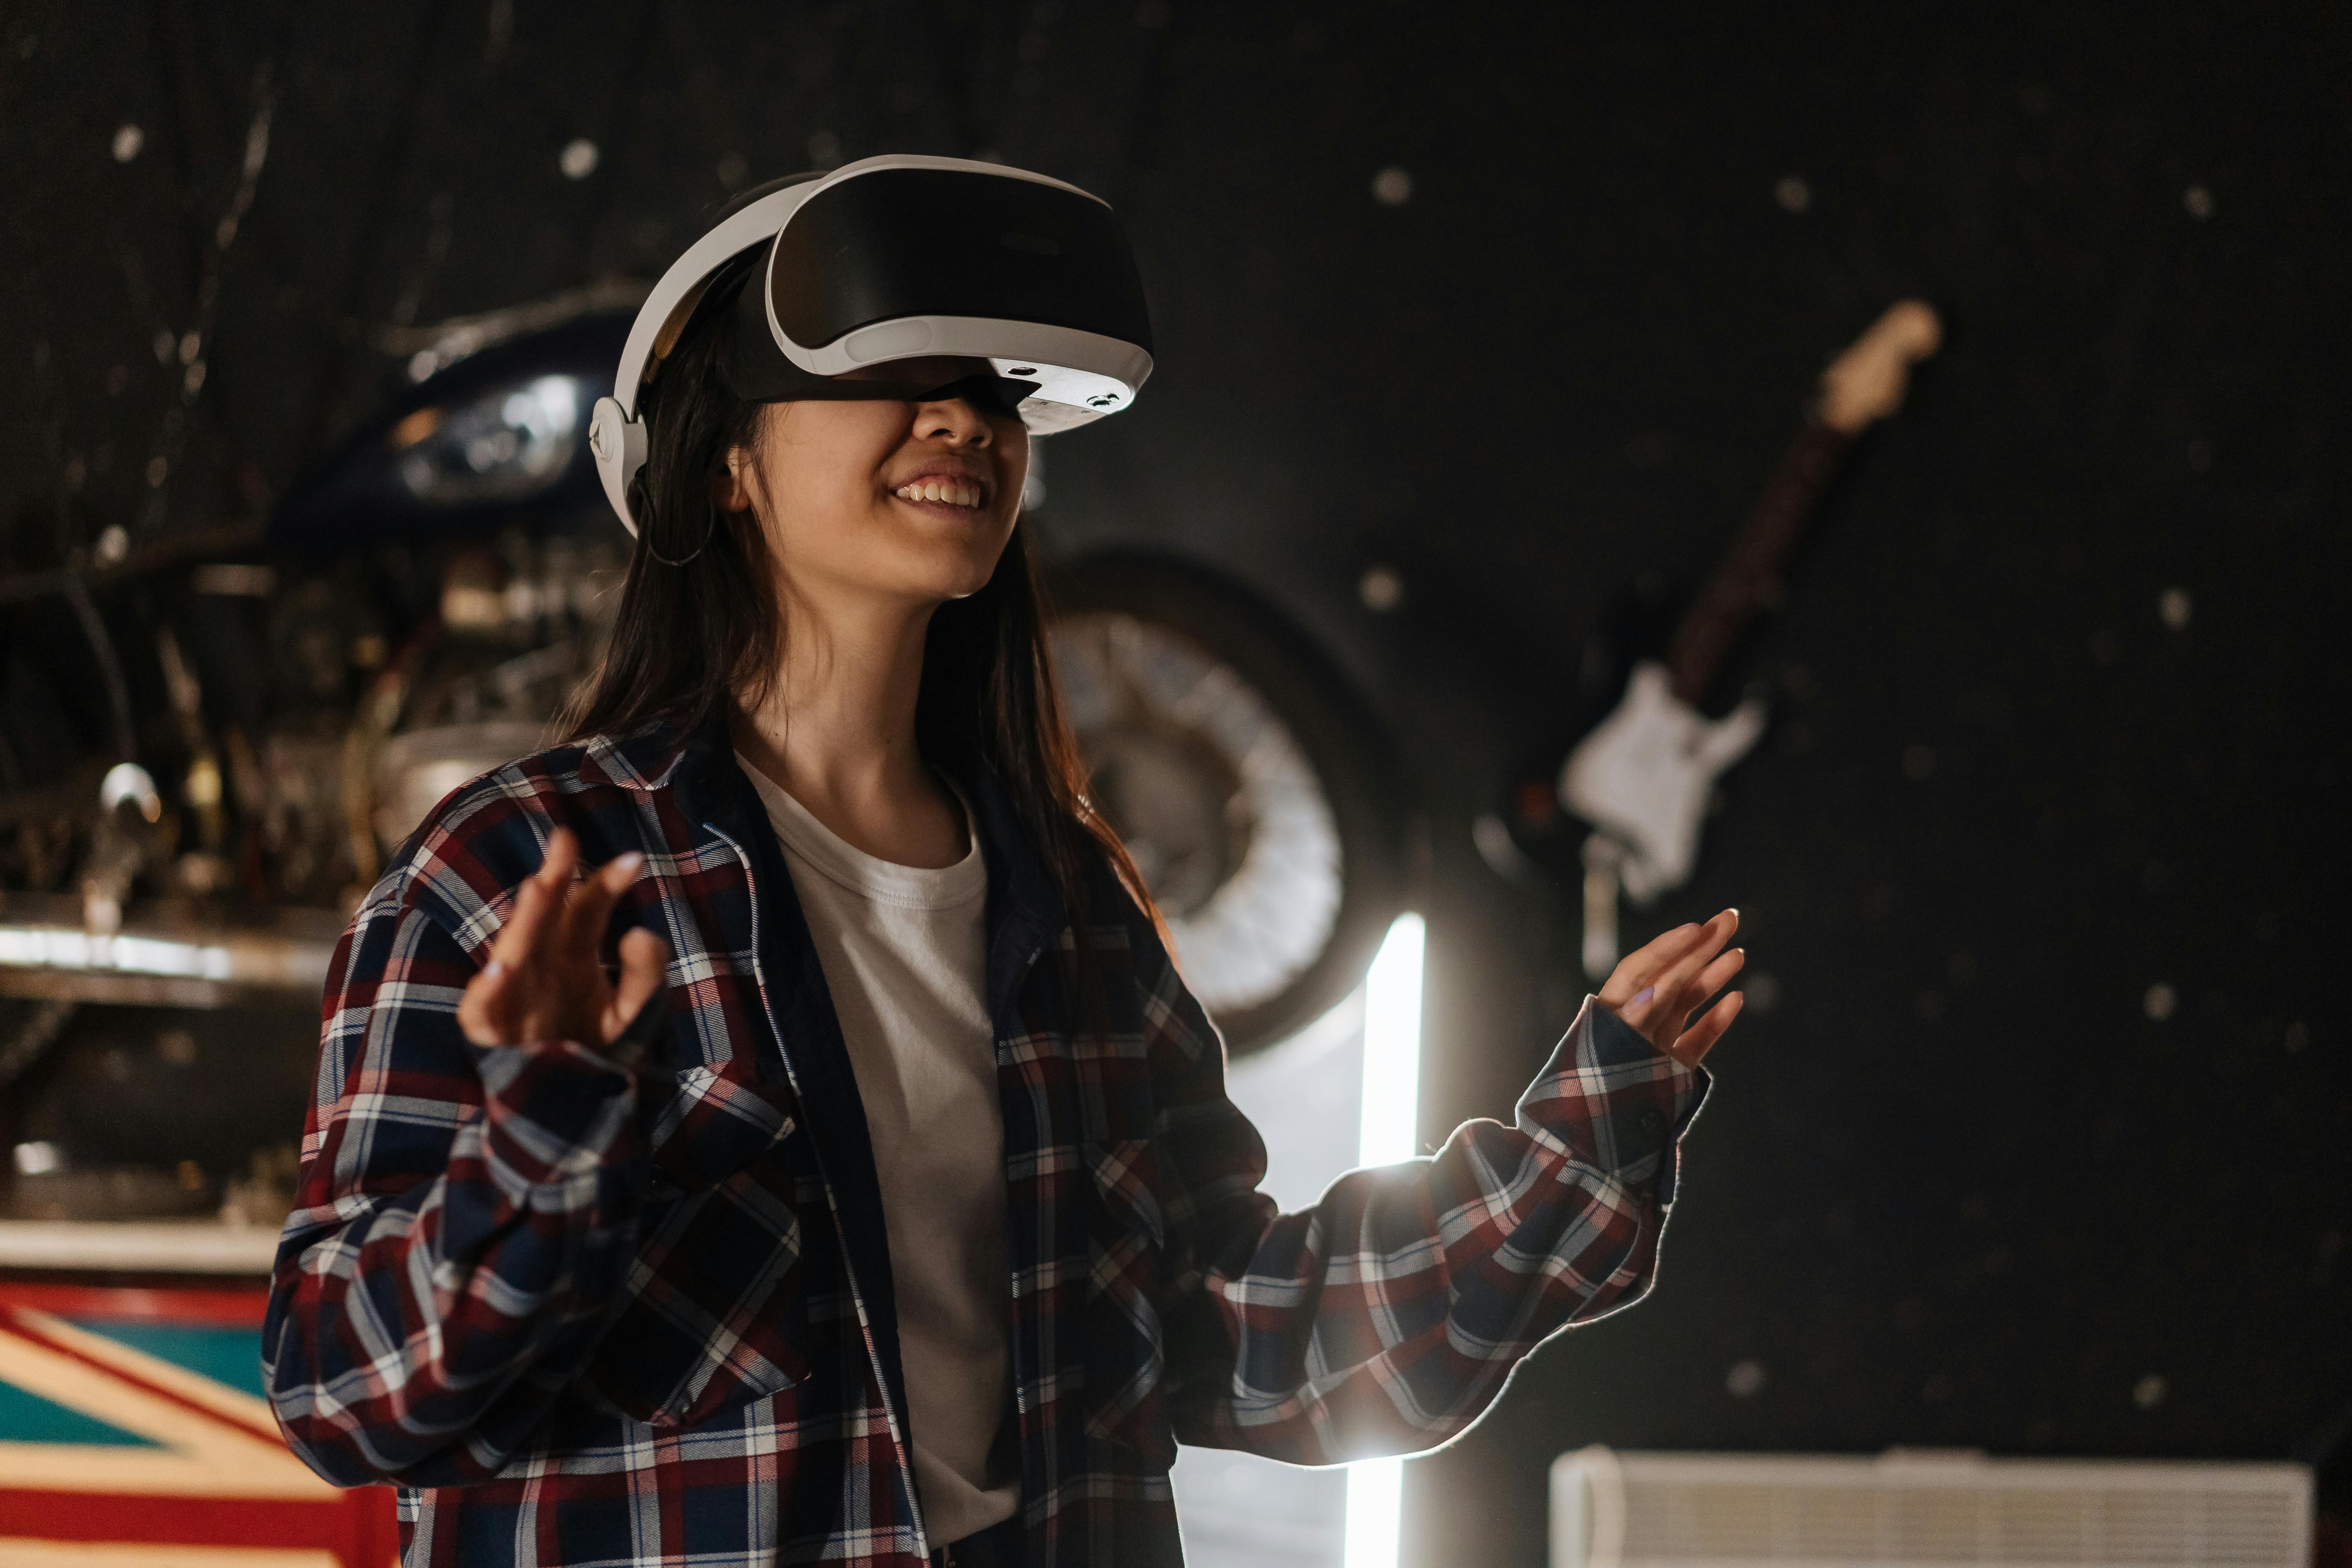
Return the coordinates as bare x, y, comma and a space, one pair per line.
584, 1313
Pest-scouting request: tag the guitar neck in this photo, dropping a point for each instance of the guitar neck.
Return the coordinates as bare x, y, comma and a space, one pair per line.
1748, 581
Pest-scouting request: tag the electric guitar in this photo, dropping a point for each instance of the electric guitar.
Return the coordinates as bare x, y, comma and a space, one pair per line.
1643, 777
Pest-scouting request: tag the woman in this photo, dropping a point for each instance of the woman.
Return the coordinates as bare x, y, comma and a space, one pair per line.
770, 1125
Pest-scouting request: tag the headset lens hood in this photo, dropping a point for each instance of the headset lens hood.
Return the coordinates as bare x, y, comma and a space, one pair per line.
893, 259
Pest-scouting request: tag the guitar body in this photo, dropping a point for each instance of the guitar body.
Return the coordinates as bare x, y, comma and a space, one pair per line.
1644, 776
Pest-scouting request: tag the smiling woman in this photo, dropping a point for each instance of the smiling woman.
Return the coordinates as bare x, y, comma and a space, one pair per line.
779, 1104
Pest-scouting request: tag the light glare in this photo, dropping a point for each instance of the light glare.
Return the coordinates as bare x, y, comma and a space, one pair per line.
1392, 1115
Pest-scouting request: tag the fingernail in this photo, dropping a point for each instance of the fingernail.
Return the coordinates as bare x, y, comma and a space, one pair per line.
1644, 995
493, 969
630, 862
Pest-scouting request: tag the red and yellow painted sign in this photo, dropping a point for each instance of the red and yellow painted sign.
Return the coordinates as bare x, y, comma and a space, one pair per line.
134, 1434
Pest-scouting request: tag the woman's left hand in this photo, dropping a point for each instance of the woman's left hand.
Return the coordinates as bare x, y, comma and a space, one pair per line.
1657, 989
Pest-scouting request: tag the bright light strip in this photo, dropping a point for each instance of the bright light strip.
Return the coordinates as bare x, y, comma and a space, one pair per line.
34, 947
1387, 1135
1375, 1513
271, 962
1392, 1099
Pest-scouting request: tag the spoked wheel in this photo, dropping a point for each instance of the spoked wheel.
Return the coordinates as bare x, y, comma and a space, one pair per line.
1244, 778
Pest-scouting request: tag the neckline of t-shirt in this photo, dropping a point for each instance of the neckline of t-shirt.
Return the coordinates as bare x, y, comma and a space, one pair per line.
870, 876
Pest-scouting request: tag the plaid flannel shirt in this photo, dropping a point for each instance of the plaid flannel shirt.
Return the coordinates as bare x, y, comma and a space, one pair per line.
584, 1313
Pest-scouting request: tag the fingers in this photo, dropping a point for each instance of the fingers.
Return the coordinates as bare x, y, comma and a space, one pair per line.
544, 980
1682, 990
1660, 979
1691, 1047
1677, 991
1686, 968
1697, 976
541, 895
1641, 967
483, 1006
594, 1002
645, 959
490, 1012
1718, 975
591, 905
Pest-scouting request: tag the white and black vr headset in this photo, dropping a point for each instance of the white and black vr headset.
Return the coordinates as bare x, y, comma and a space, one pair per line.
899, 259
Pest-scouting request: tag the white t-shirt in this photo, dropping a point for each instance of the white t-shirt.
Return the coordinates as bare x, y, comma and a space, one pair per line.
905, 955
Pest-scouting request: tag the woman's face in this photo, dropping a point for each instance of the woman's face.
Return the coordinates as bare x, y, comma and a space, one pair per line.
904, 502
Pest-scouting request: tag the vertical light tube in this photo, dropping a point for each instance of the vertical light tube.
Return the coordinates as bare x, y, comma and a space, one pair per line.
1392, 1100
1392, 1115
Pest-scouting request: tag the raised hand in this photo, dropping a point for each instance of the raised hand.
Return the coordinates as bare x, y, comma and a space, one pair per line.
1657, 989
545, 980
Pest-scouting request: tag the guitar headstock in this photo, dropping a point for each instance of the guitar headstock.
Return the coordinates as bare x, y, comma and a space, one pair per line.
1867, 382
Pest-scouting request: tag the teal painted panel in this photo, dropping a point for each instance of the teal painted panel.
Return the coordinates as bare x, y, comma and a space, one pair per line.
231, 1356
28, 1417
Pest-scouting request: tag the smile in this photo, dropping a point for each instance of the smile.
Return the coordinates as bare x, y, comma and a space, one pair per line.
948, 493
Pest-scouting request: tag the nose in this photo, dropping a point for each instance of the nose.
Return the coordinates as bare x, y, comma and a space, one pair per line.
953, 421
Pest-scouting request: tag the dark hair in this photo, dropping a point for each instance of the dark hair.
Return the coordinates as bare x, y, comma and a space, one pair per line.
696, 640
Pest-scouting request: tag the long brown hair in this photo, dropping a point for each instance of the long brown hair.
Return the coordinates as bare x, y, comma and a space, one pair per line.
700, 631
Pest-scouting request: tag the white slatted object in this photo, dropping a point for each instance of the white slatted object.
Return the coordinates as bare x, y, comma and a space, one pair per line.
1923, 1510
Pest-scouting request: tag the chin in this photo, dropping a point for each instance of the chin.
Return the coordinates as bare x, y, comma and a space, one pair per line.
966, 584
942, 575
957, 568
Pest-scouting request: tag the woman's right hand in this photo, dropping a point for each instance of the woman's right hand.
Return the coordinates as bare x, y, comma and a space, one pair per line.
545, 980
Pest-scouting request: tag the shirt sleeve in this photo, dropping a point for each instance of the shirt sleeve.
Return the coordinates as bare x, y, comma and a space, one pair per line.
463, 1225
1385, 1319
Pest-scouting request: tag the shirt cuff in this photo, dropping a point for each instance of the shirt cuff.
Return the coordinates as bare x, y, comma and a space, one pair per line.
1615, 1102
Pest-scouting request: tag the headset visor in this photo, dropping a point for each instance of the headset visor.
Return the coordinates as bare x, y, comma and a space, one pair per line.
899, 243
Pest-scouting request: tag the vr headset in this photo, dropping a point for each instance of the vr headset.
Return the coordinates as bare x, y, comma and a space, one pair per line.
891, 260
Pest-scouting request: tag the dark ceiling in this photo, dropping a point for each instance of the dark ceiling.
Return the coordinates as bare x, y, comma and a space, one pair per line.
1959, 1186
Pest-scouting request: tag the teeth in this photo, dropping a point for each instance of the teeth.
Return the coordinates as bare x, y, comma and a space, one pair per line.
953, 492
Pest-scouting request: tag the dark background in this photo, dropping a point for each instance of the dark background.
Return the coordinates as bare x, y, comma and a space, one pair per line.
1956, 1186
